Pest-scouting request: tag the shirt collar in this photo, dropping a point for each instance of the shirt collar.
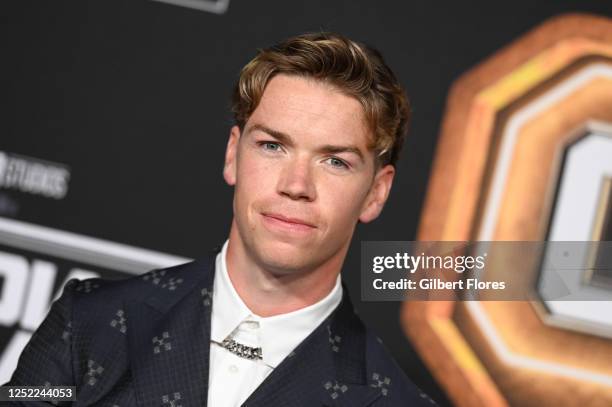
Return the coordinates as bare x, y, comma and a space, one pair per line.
279, 334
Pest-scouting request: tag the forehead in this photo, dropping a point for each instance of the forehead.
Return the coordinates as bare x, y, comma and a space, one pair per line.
309, 109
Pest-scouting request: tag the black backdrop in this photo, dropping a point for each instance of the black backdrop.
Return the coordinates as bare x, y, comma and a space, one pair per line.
133, 96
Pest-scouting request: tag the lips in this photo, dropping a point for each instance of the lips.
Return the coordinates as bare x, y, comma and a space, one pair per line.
289, 220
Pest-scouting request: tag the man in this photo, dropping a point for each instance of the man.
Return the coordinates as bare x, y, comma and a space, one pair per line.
265, 322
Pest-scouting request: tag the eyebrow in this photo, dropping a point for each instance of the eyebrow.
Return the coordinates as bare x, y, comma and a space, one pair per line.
286, 139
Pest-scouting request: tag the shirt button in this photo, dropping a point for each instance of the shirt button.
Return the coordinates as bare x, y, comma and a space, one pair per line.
233, 369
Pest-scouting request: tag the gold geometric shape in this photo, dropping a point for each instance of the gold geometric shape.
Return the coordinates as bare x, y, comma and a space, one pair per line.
505, 128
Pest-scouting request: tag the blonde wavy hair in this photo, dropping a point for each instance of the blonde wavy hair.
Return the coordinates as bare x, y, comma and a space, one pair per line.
353, 68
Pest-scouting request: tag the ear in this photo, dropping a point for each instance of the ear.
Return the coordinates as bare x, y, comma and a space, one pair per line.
229, 168
379, 192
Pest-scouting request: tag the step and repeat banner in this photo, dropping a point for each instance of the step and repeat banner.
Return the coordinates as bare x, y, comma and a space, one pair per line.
115, 116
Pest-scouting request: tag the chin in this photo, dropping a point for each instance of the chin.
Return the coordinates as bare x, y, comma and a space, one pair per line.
284, 257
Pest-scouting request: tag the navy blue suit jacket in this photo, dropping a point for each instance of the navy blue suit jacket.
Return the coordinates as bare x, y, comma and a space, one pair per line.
145, 341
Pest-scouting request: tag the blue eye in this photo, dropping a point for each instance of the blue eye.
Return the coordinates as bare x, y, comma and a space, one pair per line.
270, 146
337, 163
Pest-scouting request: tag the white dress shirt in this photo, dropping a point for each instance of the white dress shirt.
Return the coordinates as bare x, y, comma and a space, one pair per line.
232, 379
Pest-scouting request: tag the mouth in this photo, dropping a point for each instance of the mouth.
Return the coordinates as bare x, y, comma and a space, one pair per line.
288, 223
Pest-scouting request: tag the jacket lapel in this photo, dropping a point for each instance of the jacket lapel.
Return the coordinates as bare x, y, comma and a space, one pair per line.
327, 369
169, 345
169, 337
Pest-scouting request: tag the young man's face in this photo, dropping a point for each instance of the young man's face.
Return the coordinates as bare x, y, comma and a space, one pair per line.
303, 176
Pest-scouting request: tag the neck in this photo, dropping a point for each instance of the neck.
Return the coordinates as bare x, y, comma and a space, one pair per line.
267, 292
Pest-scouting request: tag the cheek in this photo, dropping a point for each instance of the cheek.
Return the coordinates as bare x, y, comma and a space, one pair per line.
253, 179
252, 167
342, 201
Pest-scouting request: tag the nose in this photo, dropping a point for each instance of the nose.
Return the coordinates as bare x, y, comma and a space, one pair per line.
296, 180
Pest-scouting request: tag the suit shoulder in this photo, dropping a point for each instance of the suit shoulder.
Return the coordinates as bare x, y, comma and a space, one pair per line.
165, 282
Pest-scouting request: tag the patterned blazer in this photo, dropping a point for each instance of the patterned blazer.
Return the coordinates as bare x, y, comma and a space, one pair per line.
144, 341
